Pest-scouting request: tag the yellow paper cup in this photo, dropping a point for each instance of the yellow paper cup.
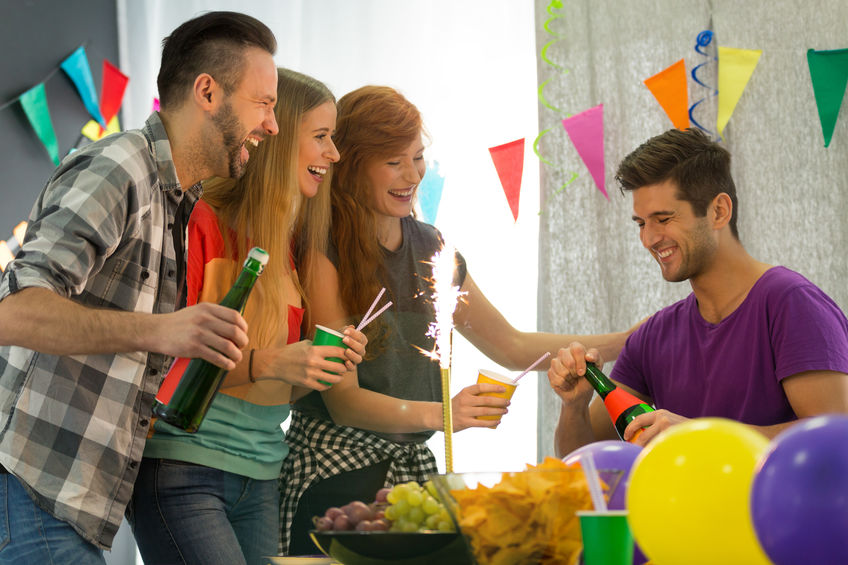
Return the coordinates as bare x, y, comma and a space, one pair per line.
491, 377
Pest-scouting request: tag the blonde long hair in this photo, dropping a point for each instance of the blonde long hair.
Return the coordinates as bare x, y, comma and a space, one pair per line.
266, 208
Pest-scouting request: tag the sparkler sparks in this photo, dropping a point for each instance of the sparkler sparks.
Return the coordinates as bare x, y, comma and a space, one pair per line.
446, 295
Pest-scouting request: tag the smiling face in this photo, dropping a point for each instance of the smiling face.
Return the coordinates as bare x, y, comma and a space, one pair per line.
316, 150
246, 115
392, 182
682, 243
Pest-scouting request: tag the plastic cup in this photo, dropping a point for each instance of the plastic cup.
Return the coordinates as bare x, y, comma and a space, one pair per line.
326, 336
606, 537
491, 377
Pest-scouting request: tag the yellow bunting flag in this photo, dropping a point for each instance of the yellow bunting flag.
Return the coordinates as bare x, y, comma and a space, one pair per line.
669, 88
735, 67
92, 129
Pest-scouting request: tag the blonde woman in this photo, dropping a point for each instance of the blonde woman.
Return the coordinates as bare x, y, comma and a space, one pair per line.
212, 496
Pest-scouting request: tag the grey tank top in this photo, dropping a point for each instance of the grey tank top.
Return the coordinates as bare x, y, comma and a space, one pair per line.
401, 370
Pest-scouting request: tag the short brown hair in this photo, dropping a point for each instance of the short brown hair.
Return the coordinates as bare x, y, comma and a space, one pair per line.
213, 43
698, 166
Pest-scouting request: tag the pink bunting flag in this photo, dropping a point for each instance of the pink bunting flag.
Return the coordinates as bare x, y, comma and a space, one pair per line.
509, 162
155, 105
111, 91
586, 131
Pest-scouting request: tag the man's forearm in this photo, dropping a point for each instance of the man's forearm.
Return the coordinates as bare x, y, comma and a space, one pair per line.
574, 429
40, 319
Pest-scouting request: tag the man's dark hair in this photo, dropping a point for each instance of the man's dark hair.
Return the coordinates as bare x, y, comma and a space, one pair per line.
698, 166
213, 43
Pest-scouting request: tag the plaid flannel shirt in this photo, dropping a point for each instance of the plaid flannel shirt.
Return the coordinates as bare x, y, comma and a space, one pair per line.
73, 428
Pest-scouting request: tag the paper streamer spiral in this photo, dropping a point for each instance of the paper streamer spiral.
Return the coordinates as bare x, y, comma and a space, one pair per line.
703, 40
554, 5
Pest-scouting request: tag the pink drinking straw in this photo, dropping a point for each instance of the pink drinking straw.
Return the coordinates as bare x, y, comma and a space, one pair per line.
530, 368
365, 319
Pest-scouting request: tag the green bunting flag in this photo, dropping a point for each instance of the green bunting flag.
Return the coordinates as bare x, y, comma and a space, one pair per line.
829, 73
34, 102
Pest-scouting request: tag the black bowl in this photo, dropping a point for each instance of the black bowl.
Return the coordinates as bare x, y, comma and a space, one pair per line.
378, 548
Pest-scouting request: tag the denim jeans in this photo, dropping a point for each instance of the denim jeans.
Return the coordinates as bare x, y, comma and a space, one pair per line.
182, 513
28, 534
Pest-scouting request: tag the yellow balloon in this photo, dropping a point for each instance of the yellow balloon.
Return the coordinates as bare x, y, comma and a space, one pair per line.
689, 492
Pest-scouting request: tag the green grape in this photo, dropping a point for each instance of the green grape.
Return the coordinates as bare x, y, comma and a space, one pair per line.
392, 513
430, 505
445, 526
408, 526
416, 515
401, 507
431, 488
415, 497
432, 522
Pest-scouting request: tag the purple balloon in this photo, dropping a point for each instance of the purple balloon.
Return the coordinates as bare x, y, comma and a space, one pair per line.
799, 495
612, 455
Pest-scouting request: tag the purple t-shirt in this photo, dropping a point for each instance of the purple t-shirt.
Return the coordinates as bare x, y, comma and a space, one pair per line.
733, 369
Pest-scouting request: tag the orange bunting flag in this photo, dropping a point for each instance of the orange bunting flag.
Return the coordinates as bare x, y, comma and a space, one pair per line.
111, 91
735, 67
669, 88
509, 162
586, 131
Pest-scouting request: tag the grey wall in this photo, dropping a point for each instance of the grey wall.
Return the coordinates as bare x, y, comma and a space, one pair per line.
35, 37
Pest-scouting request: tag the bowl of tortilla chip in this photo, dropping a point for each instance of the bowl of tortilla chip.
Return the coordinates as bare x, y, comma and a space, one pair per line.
522, 517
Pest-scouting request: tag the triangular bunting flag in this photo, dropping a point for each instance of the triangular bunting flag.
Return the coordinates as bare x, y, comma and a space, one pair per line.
430, 193
586, 131
735, 67
155, 105
76, 66
93, 131
112, 90
670, 90
829, 73
34, 102
509, 162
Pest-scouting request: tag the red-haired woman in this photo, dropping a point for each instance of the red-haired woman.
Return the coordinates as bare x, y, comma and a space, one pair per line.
369, 430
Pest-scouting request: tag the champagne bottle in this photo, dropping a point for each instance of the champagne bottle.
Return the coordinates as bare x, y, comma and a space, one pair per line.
622, 406
190, 385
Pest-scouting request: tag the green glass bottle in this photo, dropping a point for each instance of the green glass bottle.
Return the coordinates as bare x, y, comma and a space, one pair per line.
190, 385
622, 406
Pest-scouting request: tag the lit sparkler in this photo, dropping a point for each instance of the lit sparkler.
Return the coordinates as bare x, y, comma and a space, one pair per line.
445, 297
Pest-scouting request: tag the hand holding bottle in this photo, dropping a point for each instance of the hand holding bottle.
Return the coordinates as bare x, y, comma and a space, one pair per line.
207, 331
645, 427
566, 374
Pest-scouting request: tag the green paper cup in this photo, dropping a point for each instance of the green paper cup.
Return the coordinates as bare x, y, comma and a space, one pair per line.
326, 336
606, 537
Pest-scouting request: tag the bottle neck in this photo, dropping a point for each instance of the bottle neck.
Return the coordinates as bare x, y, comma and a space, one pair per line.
599, 381
236, 298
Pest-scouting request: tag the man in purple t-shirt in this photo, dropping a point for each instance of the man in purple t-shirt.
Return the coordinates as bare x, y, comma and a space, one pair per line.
753, 342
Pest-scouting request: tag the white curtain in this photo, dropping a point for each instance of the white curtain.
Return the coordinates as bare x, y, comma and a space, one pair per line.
594, 275
470, 69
